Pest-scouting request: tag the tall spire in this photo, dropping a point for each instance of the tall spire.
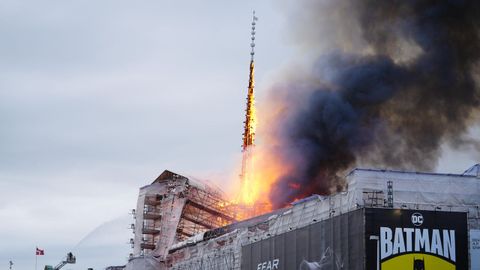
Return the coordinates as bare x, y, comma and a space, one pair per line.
249, 128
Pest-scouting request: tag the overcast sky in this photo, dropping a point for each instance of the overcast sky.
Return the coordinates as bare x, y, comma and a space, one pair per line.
97, 98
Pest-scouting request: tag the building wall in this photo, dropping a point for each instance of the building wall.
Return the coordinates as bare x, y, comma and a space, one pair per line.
155, 188
171, 207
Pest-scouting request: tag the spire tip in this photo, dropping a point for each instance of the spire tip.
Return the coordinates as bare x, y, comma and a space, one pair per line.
252, 53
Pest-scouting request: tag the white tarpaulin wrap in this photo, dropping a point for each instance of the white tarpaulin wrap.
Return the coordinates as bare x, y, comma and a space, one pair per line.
427, 191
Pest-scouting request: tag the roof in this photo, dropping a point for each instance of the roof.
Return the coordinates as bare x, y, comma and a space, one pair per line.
468, 173
192, 181
473, 171
166, 175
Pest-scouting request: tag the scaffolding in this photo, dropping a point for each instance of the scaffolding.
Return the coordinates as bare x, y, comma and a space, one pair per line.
204, 210
151, 221
374, 198
174, 208
390, 194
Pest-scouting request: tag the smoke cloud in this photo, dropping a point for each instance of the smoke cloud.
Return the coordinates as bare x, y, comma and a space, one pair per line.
391, 82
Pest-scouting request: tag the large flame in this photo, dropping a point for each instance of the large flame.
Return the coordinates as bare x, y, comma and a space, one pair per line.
264, 167
259, 167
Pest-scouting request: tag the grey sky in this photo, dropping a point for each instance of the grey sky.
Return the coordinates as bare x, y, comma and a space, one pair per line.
99, 97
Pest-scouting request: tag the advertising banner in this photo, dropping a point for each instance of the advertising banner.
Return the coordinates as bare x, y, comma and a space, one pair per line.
414, 239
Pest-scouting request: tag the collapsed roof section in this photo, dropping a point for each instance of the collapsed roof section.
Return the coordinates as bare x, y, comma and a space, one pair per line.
174, 208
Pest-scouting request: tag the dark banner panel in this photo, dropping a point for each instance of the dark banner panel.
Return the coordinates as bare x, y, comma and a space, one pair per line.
414, 239
335, 244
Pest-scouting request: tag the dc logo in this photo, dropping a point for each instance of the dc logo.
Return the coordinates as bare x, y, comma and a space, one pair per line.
417, 219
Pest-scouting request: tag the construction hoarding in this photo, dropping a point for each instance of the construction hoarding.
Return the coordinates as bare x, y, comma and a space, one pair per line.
370, 238
335, 243
413, 239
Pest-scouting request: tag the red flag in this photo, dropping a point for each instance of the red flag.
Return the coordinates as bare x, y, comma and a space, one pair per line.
39, 252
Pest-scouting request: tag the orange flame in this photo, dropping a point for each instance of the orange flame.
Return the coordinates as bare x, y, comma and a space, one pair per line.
260, 166
254, 188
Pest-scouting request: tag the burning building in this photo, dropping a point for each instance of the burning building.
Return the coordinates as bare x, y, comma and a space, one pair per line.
411, 88
382, 220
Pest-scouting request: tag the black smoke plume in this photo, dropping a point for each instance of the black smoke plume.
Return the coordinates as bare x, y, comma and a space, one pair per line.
409, 88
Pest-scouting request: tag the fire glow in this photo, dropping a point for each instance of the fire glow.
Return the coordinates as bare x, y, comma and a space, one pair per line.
388, 91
